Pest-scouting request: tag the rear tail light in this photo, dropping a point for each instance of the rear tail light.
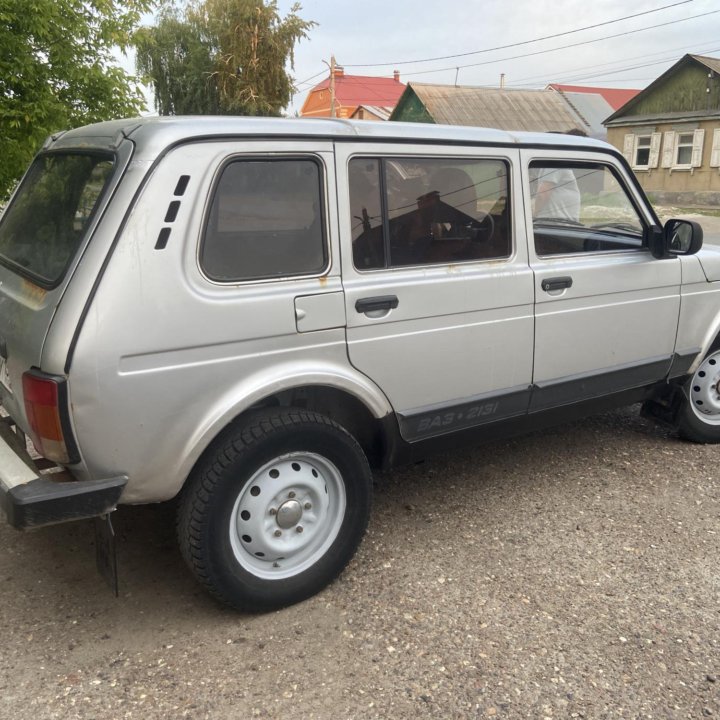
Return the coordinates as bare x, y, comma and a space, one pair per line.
46, 409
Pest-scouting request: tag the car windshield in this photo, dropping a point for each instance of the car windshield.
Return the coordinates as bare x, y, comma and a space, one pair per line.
42, 229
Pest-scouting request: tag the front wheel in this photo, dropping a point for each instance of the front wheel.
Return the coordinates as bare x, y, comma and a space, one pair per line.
275, 510
700, 413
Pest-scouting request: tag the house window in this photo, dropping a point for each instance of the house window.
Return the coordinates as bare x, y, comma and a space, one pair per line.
642, 151
683, 149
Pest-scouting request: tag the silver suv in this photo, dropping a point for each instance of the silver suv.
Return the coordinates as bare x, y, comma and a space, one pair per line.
249, 314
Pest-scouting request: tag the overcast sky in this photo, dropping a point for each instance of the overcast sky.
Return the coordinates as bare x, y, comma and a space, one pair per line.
383, 31
396, 31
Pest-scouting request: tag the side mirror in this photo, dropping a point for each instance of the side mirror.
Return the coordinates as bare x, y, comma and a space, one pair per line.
682, 237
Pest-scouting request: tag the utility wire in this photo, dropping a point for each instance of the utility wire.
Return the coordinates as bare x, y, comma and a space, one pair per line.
312, 77
524, 42
563, 47
634, 67
595, 66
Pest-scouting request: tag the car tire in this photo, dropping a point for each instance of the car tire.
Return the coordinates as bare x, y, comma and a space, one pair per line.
699, 417
275, 509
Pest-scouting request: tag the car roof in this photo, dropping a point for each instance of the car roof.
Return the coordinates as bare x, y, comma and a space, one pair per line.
152, 135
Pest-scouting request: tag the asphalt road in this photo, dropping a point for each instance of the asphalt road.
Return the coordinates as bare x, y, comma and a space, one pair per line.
571, 573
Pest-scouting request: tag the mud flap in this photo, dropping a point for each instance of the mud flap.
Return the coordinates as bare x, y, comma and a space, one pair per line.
665, 406
106, 551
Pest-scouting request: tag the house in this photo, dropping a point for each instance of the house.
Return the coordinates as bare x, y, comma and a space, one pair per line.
670, 132
593, 104
532, 110
371, 112
351, 93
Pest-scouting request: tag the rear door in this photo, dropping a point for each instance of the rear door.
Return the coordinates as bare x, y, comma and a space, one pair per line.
607, 311
438, 291
42, 233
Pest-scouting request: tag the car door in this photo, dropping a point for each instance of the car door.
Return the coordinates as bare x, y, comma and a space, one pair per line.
606, 311
438, 291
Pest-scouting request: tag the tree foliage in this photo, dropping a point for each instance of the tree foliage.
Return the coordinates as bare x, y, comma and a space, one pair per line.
221, 57
57, 71
175, 57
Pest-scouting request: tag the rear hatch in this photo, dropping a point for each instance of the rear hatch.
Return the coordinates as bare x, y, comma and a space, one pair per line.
42, 234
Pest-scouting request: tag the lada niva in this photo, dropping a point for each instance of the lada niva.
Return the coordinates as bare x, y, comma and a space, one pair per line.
249, 314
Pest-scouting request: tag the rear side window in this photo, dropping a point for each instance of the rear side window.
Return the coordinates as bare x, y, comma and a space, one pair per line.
428, 211
42, 229
265, 221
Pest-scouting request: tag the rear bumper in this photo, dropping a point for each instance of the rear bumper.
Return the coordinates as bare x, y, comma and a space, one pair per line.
30, 499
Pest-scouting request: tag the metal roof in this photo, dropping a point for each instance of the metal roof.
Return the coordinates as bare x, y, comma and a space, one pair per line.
353, 90
524, 110
382, 112
615, 97
152, 135
592, 109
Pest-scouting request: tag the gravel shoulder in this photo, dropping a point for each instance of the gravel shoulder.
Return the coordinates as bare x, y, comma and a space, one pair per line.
571, 573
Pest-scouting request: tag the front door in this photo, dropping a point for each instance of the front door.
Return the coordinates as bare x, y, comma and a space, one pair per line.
438, 290
606, 310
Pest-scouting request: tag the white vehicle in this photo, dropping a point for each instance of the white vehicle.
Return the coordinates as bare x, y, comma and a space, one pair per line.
252, 313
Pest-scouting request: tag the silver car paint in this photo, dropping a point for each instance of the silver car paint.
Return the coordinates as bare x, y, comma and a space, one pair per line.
166, 358
622, 308
459, 330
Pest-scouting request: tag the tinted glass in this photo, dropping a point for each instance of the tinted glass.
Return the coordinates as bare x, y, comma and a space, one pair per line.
581, 208
366, 211
265, 221
438, 211
42, 229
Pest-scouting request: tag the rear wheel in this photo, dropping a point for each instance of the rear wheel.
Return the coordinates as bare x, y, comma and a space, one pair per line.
700, 414
275, 510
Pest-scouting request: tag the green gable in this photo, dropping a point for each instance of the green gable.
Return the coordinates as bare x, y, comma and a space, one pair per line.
684, 91
411, 109
681, 89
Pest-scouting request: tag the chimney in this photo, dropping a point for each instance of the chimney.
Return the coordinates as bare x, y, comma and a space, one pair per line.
396, 75
339, 71
502, 81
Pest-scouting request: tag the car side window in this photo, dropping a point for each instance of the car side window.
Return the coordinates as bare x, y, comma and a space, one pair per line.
581, 208
265, 221
428, 211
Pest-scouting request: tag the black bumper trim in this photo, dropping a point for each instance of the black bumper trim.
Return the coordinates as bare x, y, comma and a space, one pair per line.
45, 502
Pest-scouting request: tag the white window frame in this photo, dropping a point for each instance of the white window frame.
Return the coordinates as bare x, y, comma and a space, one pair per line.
632, 145
672, 146
678, 146
639, 147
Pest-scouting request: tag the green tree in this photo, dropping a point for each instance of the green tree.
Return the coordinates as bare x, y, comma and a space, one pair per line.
221, 56
176, 57
57, 71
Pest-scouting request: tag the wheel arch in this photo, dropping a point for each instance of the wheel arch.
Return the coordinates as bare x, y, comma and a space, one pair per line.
349, 399
710, 342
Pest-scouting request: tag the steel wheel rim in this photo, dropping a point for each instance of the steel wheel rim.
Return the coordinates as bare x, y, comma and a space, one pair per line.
705, 390
287, 515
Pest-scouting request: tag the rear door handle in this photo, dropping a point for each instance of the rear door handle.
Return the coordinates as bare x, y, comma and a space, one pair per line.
558, 283
380, 302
